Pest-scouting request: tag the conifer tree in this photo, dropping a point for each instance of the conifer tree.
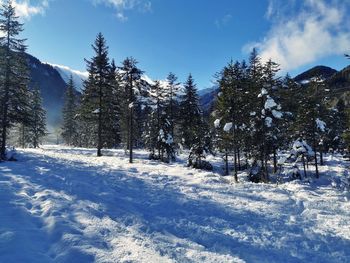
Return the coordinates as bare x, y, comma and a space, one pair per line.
272, 110
310, 124
131, 78
174, 88
229, 111
13, 67
113, 99
37, 127
190, 113
69, 126
255, 105
337, 126
160, 126
96, 94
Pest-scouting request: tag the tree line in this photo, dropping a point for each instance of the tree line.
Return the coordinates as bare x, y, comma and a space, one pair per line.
256, 115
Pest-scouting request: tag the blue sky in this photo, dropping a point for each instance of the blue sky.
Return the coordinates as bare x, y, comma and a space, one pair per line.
183, 36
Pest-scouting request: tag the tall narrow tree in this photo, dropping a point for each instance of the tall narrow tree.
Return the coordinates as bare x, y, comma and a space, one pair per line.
190, 113
12, 65
131, 76
94, 102
69, 126
37, 127
174, 88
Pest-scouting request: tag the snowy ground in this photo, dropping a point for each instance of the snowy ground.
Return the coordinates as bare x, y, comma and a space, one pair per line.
66, 205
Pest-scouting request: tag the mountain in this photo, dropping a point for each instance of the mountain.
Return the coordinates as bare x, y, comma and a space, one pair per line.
322, 71
340, 85
52, 87
207, 98
66, 72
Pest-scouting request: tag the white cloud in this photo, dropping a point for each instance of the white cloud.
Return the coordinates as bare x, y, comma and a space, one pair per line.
222, 22
315, 29
122, 17
121, 6
25, 9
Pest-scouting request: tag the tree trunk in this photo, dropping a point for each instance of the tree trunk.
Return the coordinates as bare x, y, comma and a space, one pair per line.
5, 102
99, 135
239, 159
235, 164
131, 123
316, 165
226, 163
303, 159
274, 161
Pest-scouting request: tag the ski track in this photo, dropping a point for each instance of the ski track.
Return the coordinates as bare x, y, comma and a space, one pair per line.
65, 205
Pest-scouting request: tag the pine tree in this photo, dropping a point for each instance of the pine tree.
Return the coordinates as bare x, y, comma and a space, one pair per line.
160, 127
37, 128
201, 146
97, 93
272, 110
173, 89
113, 108
229, 113
13, 68
337, 126
69, 126
190, 113
131, 78
257, 124
310, 124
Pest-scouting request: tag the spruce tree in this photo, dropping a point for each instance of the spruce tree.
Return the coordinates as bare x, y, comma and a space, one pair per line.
96, 95
228, 112
113, 101
272, 110
190, 113
13, 67
131, 81
69, 126
160, 127
173, 89
310, 124
37, 128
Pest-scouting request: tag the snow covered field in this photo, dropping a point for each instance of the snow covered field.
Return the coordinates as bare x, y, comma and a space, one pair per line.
66, 205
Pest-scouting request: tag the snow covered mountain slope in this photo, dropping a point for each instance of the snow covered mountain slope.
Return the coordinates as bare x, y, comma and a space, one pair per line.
60, 204
66, 72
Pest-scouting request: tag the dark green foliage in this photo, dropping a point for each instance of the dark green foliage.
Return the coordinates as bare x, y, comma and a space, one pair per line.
131, 111
160, 139
70, 109
14, 72
99, 109
37, 126
190, 113
199, 150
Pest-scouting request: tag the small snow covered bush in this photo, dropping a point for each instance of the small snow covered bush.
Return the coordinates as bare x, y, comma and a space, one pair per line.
11, 154
196, 158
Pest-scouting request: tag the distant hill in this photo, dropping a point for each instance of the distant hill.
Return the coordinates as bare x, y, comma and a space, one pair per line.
66, 72
322, 71
206, 98
340, 85
52, 88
